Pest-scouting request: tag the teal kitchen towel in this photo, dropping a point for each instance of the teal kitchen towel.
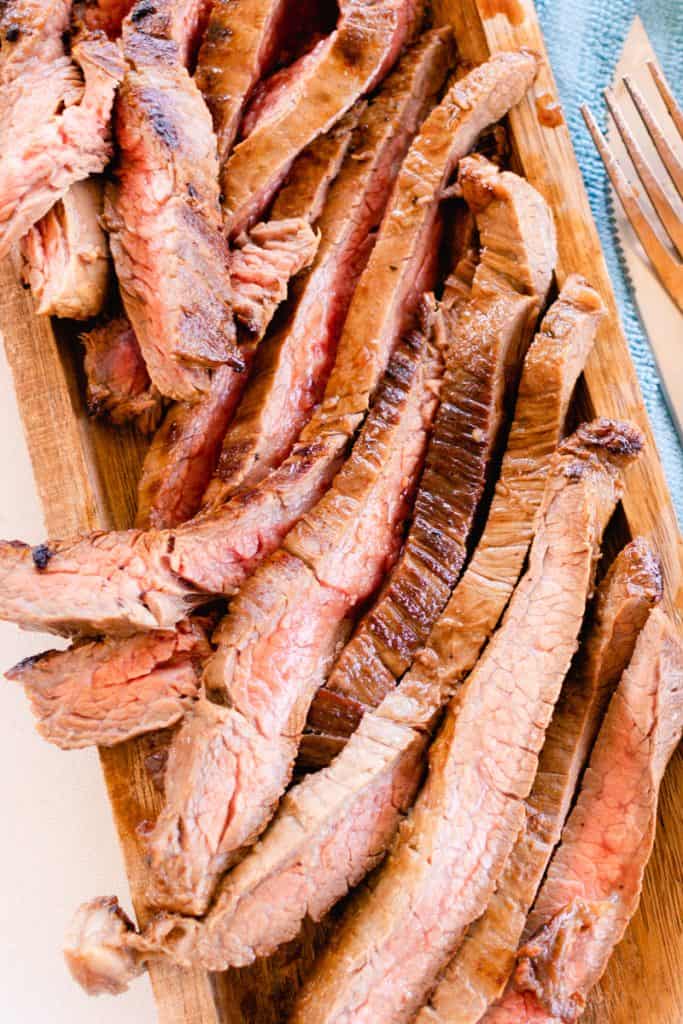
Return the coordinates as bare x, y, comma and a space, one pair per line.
585, 39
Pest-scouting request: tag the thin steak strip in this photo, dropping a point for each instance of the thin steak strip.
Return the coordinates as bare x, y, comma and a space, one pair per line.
478, 973
594, 881
151, 579
553, 363
444, 868
349, 64
487, 339
104, 692
292, 366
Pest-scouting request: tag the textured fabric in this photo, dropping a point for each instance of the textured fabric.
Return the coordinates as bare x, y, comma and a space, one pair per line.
585, 39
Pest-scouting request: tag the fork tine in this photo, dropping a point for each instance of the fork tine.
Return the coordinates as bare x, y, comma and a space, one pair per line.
665, 92
666, 153
658, 197
664, 263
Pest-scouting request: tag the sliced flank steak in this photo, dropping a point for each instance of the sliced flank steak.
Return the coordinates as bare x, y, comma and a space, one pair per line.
478, 973
443, 870
152, 579
117, 381
233, 756
345, 66
66, 256
486, 339
552, 365
593, 884
292, 366
104, 692
107, 15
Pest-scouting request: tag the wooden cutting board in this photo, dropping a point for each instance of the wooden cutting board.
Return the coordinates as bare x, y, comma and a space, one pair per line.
86, 474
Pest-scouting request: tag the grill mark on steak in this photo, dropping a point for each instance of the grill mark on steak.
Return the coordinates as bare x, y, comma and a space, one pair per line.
292, 366
66, 256
118, 384
478, 973
443, 870
593, 884
332, 84
233, 756
486, 342
105, 692
551, 367
51, 104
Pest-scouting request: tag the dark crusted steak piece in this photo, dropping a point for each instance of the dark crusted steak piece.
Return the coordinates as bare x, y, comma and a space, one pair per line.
66, 256
118, 384
292, 366
104, 692
485, 340
444, 868
477, 975
594, 881
54, 111
351, 62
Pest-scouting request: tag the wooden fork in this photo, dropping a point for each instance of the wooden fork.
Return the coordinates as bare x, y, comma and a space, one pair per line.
666, 260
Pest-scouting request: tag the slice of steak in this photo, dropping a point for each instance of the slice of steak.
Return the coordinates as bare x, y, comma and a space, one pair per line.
66, 256
233, 757
351, 62
150, 580
594, 881
184, 452
179, 22
478, 973
240, 45
107, 15
55, 121
107, 691
118, 384
444, 868
35, 30
486, 340
553, 363
163, 216
292, 366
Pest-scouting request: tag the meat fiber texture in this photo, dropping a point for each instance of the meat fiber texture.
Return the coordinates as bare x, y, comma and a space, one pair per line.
54, 112
276, 644
593, 884
117, 381
443, 871
477, 975
151, 579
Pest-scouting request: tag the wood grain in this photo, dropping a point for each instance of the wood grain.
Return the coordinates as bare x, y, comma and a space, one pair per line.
86, 472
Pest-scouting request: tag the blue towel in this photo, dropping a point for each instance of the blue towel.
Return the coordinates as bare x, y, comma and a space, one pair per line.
585, 39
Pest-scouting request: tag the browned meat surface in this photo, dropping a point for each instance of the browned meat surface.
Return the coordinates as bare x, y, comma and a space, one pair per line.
241, 42
485, 340
106, 691
54, 112
351, 62
552, 365
118, 384
66, 255
477, 975
443, 870
595, 878
292, 367
163, 214
233, 757
180, 22
107, 15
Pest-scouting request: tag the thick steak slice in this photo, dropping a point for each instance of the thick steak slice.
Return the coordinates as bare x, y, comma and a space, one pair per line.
118, 384
233, 757
292, 366
241, 42
442, 873
54, 115
349, 64
104, 692
67, 257
594, 880
180, 22
553, 363
106, 15
477, 975
486, 343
